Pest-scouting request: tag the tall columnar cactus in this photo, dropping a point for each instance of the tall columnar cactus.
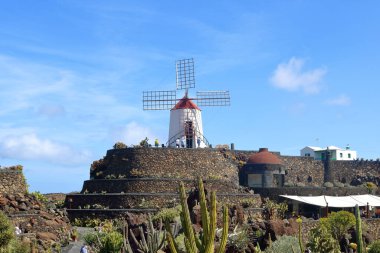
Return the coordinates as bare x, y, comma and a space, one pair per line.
203, 243
299, 221
359, 239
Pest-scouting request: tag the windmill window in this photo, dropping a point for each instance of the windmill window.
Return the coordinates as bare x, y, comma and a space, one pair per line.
309, 179
341, 155
349, 155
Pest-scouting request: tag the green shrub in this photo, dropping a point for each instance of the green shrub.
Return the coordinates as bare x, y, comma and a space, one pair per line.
119, 145
338, 184
371, 187
374, 247
144, 143
39, 196
321, 241
168, 214
6, 231
284, 244
238, 240
274, 210
16, 246
339, 223
91, 239
112, 242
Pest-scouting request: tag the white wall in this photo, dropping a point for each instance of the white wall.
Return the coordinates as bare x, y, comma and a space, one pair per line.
345, 155
177, 122
306, 151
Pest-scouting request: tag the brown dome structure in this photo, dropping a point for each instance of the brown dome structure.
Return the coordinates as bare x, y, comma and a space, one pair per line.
264, 157
263, 169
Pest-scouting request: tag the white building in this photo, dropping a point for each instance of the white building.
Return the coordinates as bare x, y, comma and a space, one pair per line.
186, 124
336, 153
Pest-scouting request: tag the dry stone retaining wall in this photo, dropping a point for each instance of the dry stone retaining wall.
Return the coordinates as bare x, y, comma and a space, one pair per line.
307, 171
166, 163
154, 185
12, 180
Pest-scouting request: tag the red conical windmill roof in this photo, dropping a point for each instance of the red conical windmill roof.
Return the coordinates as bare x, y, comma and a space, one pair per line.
185, 103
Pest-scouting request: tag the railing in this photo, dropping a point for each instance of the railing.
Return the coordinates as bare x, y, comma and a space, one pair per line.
179, 135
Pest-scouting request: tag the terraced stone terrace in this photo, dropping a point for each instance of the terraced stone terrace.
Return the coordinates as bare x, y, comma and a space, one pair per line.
141, 180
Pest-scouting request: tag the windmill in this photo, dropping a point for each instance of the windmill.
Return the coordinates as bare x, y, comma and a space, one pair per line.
185, 116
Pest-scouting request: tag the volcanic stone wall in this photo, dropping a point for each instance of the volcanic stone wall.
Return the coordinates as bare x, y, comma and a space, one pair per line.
346, 171
146, 179
154, 185
12, 180
305, 171
164, 163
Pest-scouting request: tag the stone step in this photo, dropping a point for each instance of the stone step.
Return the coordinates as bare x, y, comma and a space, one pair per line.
147, 200
154, 185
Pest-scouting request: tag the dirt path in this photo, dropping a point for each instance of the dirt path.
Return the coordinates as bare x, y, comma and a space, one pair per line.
74, 247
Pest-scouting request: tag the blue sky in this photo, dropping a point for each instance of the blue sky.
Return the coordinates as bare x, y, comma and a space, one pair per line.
72, 74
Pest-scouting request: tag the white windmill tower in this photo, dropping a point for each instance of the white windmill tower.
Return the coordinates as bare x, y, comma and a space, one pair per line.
185, 116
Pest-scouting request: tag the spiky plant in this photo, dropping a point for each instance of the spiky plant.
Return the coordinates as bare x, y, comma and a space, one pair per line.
152, 242
204, 242
284, 244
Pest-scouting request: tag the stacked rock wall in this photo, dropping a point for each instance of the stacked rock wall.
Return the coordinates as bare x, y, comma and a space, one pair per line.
304, 170
146, 179
307, 171
12, 180
347, 171
165, 163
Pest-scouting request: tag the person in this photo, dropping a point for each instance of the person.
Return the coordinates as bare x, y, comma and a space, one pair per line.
199, 142
18, 230
183, 142
84, 249
177, 143
156, 143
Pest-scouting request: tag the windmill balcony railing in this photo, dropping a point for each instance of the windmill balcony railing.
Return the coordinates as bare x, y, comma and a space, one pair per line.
172, 140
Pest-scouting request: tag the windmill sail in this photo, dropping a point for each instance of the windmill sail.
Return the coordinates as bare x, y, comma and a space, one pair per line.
185, 115
213, 98
159, 100
185, 74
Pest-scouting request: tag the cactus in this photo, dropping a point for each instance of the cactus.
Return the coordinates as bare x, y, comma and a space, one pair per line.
299, 221
152, 242
359, 239
205, 242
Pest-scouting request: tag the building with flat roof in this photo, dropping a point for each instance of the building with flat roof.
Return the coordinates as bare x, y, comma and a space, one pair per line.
336, 153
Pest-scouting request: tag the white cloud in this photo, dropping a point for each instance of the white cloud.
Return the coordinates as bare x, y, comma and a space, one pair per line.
132, 133
342, 100
291, 76
31, 147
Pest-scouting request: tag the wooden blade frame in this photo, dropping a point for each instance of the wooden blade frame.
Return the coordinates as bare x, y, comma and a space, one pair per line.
213, 98
159, 100
185, 74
